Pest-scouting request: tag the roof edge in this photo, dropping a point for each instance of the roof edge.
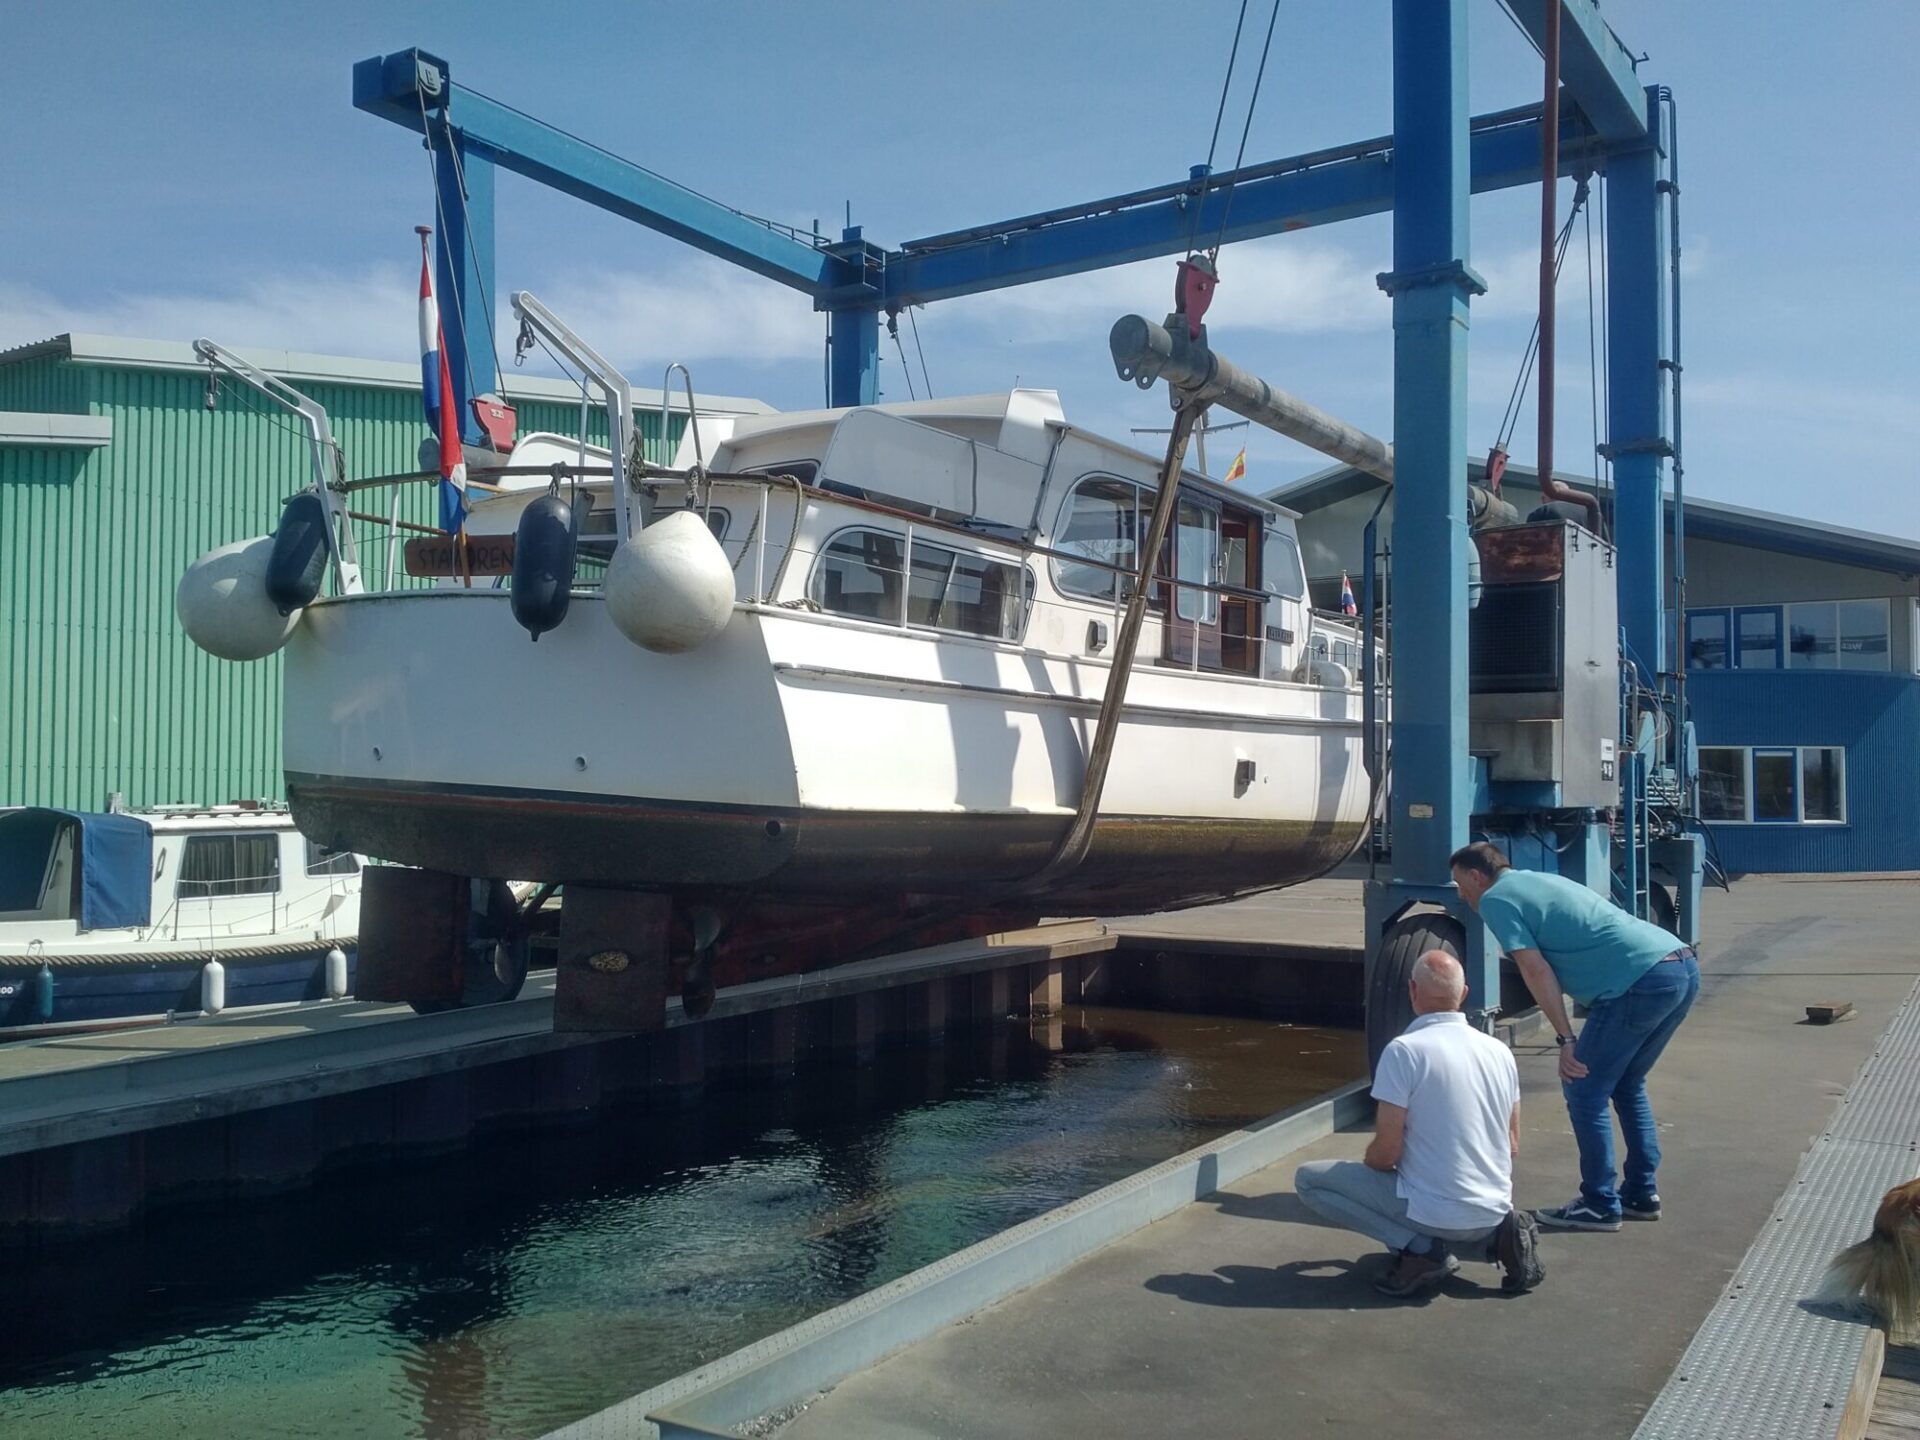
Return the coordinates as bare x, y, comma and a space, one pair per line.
135, 353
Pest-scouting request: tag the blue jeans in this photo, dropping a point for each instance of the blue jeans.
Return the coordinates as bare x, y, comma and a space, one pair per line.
1621, 1040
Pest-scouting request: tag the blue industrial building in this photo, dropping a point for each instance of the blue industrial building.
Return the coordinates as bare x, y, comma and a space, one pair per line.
1802, 649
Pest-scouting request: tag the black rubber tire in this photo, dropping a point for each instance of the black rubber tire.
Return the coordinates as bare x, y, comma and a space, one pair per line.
1559, 510
1389, 1008
1661, 909
499, 948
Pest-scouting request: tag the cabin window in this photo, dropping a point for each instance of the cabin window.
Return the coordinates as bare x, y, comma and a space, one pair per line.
952, 590
229, 865
1282, 573
1101, 524
322, 860
859, 575
1197, 552
597, 537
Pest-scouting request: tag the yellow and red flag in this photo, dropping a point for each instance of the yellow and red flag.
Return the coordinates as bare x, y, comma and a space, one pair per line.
1238, 469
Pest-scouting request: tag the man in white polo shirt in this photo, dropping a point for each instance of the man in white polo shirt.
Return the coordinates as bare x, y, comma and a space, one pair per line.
1439, 1170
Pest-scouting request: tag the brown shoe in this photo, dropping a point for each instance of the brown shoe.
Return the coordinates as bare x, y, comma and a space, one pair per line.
1415, 1274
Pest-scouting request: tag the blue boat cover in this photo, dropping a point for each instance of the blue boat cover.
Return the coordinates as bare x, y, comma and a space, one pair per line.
116, 864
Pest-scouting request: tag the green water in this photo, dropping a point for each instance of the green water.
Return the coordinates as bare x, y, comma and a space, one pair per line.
531, 1280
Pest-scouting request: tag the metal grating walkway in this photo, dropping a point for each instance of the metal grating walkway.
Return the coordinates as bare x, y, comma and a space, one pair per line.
1763, 1366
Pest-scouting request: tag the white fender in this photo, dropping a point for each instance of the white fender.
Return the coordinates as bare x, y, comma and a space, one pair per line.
670, 588
223, 606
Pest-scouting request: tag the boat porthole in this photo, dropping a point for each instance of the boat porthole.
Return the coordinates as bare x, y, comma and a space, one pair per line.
579, 762
773, 829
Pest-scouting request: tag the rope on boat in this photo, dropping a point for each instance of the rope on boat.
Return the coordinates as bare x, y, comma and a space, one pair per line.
150, 959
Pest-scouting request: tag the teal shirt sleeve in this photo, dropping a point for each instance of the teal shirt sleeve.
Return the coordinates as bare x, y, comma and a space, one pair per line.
1504, 919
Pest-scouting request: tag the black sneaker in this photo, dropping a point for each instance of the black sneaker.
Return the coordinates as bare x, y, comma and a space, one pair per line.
1515, 1249
1647, 1209
1577, 1215
1414, 1274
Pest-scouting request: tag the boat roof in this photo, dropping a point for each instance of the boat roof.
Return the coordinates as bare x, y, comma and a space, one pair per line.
186, 819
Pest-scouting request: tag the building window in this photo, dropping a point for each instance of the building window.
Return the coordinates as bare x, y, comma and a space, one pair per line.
1823, 787
1863, 635
1756, 631
1101, 523
1706, 639
1813, 629
1723, 783
1774, 785
323, 861
229, 865
1804, 635
1776, 788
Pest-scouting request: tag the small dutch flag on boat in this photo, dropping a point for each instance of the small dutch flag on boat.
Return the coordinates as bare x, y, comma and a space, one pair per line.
436, 391
1347, 607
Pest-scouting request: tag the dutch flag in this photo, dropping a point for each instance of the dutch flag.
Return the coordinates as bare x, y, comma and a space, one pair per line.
436, 390
1347, 607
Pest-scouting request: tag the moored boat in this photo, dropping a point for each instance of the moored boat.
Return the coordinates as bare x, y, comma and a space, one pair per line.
122, 918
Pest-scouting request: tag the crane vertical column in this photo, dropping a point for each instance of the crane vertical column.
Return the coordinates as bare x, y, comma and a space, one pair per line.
463, 268
1637, 389
853, 329
1431, 286
1639, 421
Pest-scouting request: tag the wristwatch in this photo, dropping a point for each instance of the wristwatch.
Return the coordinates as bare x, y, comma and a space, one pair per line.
1563, 1040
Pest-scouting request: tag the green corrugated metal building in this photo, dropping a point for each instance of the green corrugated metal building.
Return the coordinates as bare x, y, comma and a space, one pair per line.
114, 477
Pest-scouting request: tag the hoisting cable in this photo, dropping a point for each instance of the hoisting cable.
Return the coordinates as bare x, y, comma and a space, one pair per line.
440, 214
1511, 416
486, 302
1239, 159
1193, 220
926, 381
893, 329
1593, 364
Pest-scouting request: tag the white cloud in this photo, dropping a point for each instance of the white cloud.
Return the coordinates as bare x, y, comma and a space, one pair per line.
1284, 285
697, 309
370, 313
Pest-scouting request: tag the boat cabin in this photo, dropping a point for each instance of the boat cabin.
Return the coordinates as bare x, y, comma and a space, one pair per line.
165, 874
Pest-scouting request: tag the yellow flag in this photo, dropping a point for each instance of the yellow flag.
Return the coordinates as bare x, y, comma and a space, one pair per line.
1238, 469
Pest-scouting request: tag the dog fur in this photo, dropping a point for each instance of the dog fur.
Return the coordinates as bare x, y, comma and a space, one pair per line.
1884, 1269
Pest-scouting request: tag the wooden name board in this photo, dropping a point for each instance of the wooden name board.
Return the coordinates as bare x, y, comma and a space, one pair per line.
439, 555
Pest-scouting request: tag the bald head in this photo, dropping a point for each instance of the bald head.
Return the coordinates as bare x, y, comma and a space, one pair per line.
1437, 983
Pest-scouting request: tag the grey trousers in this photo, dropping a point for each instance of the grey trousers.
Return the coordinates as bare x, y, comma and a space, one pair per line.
1349, 1194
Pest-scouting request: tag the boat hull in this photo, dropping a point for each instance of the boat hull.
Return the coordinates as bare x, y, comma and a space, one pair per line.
798, 756
1142, 862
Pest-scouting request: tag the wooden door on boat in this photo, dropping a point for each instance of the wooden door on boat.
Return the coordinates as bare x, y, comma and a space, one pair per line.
1212, 601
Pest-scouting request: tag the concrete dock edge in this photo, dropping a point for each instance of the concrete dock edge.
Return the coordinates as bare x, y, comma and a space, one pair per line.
786, 1368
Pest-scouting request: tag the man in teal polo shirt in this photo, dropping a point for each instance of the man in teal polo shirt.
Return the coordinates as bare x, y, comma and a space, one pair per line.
1637, 982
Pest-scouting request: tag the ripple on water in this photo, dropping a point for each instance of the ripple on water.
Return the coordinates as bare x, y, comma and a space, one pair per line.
536, 1278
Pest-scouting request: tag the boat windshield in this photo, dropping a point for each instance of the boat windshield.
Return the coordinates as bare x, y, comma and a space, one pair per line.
37, 871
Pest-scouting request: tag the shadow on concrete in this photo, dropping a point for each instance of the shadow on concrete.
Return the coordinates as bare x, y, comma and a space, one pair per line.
1282, 1205
1333, 1284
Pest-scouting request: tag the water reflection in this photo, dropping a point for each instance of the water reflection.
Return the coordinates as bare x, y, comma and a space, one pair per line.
535, 1278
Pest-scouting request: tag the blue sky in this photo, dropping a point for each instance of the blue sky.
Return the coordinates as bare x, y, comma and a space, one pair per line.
199, 169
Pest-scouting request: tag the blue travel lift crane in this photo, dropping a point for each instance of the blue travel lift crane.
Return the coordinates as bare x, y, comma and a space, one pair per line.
1440, 795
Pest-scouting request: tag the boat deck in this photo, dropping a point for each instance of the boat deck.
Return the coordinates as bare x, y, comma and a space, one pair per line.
1237, 1315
